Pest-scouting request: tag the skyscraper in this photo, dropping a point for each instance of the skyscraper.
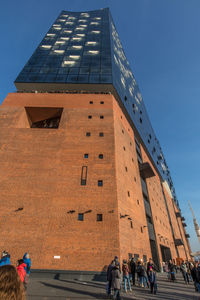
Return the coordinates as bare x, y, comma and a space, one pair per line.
83, 170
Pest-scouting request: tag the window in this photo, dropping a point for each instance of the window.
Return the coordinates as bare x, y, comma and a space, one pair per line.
124, 148
101, 117
125, 98
131, 223
141, 228
138, 202
100, 156
44, 117
89, 117
101, 134
122, 131
128, 194
141, 120
100, 182
126, 169
99, 217
91, 102
132, 160
86, 155
84, 175
80, 217
88, 134
101, 102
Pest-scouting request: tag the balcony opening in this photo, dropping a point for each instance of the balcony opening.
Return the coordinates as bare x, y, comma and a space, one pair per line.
44, 117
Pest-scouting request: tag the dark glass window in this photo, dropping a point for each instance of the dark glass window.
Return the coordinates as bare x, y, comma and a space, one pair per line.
100, 182
101, 117
101, 134
99, 217
89, 117
86, 155
88, 134
91, 102
101, 156
80, 217
101, 102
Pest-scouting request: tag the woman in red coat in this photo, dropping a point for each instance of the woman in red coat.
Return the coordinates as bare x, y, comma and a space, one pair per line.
21, 269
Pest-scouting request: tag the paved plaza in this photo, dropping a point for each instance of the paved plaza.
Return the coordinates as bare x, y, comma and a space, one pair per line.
64, 289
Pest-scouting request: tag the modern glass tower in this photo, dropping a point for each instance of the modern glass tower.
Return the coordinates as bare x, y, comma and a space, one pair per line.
98, 164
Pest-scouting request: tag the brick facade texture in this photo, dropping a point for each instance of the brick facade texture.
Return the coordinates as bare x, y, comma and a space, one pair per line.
41, 173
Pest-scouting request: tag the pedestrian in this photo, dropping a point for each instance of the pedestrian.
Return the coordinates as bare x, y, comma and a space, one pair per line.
171, 268
21, 269
117, 262
195, 273
5, 259
109, 277
150, 264
153, 280
126, 278
27, 261
116, 282
184, 271
141, 275
133, 269
11, 287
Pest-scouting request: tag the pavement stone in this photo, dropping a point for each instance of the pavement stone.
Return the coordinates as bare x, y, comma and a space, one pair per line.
53, 289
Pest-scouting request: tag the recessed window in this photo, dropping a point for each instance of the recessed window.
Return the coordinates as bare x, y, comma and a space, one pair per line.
91, 102
128, 194
44, 117
100, 156
131, 223
90, 117
80, 217
100, 182
122, 131
125, 98
88, 134
101, 102
141, 120
101, 117
121, 117
124, 148
101, 134
84, 175
135, 179
141, 228
130, 144
86, 155
99, 217
126, 169
138, 202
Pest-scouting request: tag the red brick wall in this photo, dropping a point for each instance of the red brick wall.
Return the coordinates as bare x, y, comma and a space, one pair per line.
41, 172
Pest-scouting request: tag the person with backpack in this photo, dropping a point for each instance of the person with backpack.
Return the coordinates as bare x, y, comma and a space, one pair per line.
126, 278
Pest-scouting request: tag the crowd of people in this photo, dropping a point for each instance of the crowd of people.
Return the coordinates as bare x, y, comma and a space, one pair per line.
14, 280
145, 273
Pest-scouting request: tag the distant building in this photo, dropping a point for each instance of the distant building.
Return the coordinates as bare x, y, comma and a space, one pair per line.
83, 176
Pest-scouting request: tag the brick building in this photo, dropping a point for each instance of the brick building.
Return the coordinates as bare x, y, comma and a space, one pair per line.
83, 176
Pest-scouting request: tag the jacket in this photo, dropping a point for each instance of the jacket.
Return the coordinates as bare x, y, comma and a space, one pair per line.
116, 279
27, 261
21, 271
125, 269
132, 266
109, 272
152, 277
5, 261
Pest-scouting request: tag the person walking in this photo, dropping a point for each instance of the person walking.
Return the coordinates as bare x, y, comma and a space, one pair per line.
126, 279
172, 270
152, 281
184, 271
109, 277
133, 269
27, 261
5, 259
116, 282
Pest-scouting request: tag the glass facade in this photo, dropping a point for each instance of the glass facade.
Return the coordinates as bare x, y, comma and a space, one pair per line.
84, 48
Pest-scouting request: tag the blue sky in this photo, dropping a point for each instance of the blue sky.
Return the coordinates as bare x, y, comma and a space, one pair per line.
161, 41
